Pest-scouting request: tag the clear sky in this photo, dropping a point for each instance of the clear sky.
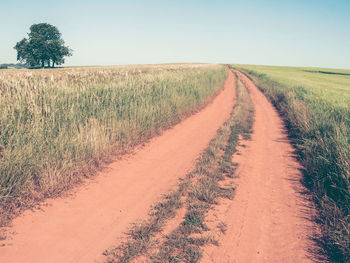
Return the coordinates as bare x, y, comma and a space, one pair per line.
106, 32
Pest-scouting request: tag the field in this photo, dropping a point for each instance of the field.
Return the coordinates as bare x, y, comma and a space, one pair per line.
315, 102
58, 125
192, 162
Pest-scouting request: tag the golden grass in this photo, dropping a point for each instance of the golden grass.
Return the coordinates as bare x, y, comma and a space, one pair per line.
57, 125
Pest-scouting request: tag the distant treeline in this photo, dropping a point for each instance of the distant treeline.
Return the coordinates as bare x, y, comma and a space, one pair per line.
12, 65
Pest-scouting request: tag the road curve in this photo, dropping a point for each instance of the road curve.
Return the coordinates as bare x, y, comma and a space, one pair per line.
269, 219
79, 228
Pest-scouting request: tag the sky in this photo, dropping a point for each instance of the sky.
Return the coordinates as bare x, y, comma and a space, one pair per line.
106, 32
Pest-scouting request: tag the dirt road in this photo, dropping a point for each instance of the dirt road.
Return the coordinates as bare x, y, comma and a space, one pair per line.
79, 228
268, 220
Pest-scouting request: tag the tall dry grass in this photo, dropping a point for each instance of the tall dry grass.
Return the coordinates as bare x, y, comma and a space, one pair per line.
58, 125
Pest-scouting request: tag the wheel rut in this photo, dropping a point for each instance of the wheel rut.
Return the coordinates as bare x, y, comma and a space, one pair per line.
271, 216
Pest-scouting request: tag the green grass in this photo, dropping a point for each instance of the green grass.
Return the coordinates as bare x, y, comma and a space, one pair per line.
316, 106
57, 126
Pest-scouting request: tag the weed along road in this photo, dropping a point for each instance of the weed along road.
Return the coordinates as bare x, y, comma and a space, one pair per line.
269, 218
78, 228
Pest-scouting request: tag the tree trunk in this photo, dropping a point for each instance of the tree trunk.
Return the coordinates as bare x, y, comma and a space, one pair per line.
48, 63
53, 63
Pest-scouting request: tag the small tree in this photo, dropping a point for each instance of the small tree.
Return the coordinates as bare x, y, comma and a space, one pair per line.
44, 47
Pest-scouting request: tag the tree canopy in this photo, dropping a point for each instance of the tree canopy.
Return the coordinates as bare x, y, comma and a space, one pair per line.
43, 48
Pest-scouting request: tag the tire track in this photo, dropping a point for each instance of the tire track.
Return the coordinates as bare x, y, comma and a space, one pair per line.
270, 218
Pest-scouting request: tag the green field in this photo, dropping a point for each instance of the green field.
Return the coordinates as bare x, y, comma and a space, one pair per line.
57, 126
315, 102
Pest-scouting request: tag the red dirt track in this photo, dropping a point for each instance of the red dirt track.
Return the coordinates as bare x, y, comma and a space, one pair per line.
269, 218
79, 228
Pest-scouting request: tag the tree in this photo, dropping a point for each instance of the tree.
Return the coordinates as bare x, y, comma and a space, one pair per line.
44, 47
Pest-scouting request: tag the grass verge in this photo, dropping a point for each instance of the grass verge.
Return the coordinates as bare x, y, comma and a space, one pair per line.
320, 131
198, 192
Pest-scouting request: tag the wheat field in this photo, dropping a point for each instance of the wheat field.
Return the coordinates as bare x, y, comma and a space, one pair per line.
57, 126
